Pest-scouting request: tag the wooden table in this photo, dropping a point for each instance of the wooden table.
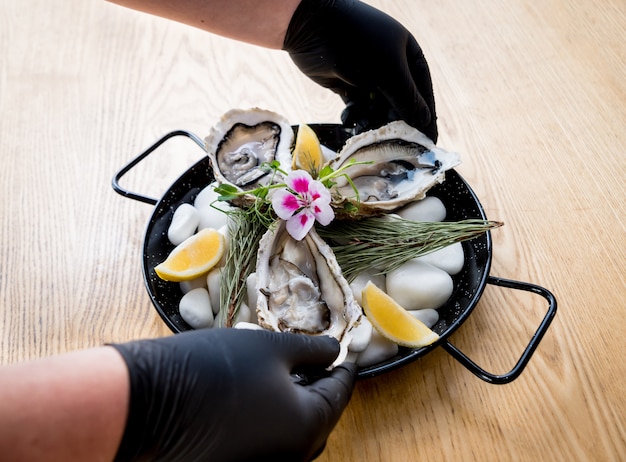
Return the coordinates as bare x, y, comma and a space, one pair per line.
532, 94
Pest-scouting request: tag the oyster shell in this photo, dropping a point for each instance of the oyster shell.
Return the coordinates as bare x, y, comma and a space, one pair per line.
405, 165
301, 288
242, 141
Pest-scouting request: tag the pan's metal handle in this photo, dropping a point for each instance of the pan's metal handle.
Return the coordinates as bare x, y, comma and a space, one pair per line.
530, 348
124, 170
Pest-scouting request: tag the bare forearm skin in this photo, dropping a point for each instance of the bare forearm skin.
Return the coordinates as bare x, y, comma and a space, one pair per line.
71, 407
259, 22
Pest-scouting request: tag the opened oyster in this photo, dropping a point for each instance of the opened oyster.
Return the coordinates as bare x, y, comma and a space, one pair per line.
242, 141
404, 165
301, 289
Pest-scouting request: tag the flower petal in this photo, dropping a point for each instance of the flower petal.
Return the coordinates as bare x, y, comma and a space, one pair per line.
284, 203
300, 224
318, 191
299, 181
323, 212
303, 201
320, 203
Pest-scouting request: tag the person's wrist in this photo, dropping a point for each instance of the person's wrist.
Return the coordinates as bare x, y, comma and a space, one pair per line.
305, 25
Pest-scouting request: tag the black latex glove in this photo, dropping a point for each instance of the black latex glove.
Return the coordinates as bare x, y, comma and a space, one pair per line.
228, 394
366, 57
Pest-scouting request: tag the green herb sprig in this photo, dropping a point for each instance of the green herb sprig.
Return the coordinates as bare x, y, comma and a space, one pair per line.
327, 177
246, 227
386, 243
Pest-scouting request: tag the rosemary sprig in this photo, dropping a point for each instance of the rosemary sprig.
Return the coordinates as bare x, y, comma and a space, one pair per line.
246, 227
385, 244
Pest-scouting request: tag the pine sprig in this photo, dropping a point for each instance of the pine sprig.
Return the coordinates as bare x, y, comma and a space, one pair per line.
246, 227
386, 243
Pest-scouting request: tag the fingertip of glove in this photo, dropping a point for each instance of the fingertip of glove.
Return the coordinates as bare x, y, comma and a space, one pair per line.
424, 115
327, 342
330, 340
345, 370
330, 345
308, 350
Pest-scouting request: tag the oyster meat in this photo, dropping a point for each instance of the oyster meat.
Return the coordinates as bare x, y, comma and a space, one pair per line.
403, 165
301, 288
242, 141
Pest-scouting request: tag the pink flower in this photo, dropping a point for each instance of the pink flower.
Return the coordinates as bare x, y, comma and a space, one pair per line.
303, 201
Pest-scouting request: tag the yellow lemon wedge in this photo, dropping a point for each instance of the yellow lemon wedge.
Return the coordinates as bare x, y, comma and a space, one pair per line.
394, 322
307, 153
193, 257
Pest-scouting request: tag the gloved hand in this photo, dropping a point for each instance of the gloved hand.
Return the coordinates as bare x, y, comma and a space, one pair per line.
228, 394
366, 57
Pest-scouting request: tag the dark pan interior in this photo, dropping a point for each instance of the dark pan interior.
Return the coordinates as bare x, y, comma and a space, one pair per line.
455, 193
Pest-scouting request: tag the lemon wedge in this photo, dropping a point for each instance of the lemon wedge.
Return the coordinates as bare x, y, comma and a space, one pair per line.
307, 153
193, 257
394, 322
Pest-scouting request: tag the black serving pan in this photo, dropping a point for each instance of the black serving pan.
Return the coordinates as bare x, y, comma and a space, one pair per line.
469, 284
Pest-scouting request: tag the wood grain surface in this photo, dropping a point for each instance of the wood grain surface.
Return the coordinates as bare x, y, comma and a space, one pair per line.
533, 96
